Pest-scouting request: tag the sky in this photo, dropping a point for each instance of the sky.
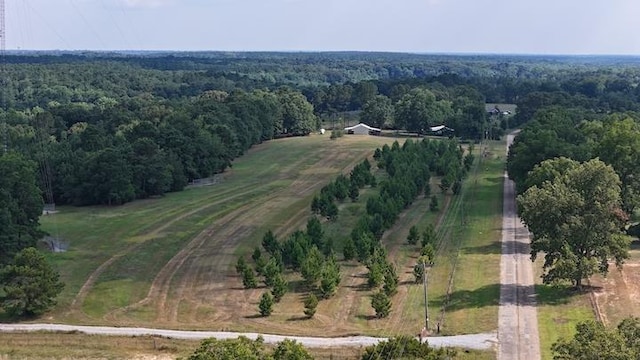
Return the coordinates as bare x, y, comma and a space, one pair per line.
587, 27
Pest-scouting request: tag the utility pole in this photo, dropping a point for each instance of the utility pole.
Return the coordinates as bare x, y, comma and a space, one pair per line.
426, 303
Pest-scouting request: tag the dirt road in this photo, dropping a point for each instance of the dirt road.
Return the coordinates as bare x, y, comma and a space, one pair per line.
517, 315
473, 341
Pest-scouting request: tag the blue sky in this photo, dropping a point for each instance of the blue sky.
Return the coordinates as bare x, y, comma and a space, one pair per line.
432, 26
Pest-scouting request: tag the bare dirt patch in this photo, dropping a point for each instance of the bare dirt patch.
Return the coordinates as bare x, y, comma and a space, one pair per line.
618, 295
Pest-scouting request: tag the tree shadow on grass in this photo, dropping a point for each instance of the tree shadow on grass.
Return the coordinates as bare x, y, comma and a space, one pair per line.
359, 287
489, 295
558, 294
254, 316
409, 282
298, 318
366, 317
495, 179
493, 248
468, 299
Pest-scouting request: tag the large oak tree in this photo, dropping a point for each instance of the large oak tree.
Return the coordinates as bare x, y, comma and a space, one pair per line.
576, 221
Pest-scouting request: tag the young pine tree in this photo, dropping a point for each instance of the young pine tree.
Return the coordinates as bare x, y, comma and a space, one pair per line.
280, 287
266, 304
381, 304
413, 236
310, 305
249, 279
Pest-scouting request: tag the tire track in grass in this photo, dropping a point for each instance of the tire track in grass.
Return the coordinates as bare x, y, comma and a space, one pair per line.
91, 280
226, 236
204, 288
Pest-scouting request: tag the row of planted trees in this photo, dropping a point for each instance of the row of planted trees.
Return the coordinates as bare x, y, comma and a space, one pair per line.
408, 169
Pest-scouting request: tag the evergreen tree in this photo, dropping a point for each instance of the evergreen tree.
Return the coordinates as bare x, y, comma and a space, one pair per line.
315, 232
29, 285
391, 280
310, 305
266, 304
375, 277
433, 205
348, 249
271, 272
354, 192
381, 304
311, 268
428, 252
241, 265
418, 272
257, 254
270, 243
457, 187
261, 264
330, 278
428, 235
413, 236
280, 287
248, 278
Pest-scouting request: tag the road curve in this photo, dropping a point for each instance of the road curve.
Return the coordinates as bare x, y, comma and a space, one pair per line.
474, 341
517, 315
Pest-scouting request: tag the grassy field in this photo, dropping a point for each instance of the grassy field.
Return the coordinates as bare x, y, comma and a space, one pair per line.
560, 308
168, 262
124, 262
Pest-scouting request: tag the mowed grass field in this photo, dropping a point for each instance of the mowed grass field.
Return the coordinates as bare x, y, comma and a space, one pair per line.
148, 261
168, 262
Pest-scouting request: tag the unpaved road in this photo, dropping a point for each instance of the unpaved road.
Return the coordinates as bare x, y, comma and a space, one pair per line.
474, 341
517, 316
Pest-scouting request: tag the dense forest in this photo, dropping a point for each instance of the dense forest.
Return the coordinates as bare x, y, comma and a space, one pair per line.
107, 128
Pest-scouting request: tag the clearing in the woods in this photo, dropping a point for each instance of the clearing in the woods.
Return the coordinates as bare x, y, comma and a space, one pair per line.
169, 262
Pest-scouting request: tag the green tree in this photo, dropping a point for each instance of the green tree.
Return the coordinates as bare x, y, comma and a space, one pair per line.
249, 278
375, 276
266, 304
391, 280
433, 204
419, 109
348, 249
310, 305
311, 268
271, 272
241, 265
29, 285
406, 347
270, 243
381, 303
619, 146
428, 235
280, 287
594, 341
377, 112
315, 232
20, 205
576, 220
413, 236
418, 271
429, 252
354, 192
330, 278
290, 350
230, 349
297, 113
